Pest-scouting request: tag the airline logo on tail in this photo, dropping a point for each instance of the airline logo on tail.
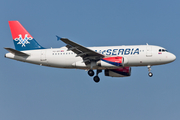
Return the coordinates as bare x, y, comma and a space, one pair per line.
21, 37
23, 41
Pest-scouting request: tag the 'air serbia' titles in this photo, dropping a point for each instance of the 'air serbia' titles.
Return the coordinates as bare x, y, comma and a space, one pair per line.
127, 51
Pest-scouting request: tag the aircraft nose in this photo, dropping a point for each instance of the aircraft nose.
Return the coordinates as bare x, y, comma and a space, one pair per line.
172, 57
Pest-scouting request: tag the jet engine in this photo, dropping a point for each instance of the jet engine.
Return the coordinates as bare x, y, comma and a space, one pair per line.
117, 61
120, 72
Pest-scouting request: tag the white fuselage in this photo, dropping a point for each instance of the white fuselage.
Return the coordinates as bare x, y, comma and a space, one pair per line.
135, 55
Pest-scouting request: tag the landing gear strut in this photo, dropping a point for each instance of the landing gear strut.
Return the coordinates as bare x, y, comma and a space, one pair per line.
96, 78
149, 69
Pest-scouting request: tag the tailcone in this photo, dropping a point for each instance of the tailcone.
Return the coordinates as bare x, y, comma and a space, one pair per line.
9, 55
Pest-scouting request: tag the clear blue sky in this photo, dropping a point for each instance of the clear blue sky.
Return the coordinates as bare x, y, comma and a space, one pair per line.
32, 92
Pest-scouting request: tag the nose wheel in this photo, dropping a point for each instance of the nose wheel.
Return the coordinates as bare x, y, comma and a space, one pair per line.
149, 69
150, 74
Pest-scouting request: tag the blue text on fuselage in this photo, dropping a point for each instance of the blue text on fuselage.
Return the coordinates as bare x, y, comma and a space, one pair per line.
127, 51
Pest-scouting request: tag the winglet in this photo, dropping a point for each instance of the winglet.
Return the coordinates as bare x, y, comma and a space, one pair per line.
58, 38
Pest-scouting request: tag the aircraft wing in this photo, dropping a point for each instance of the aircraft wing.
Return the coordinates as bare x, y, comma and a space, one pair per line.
84, 52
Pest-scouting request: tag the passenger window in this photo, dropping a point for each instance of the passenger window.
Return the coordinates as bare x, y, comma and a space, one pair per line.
159, 50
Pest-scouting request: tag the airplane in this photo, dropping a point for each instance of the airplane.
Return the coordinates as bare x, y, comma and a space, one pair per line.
116, 61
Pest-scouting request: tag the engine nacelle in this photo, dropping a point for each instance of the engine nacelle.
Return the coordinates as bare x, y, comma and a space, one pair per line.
117, 61
120, 72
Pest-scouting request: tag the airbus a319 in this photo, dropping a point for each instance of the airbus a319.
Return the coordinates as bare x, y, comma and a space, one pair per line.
116, 61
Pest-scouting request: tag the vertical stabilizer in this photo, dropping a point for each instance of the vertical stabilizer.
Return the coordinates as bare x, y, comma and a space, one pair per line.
21, 37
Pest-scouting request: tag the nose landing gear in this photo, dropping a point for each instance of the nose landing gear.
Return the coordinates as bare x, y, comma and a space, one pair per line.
149, 69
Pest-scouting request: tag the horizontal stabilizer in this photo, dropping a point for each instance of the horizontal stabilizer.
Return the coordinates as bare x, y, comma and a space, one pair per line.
15, 52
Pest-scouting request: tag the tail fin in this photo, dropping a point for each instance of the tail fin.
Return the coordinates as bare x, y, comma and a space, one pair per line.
22, 39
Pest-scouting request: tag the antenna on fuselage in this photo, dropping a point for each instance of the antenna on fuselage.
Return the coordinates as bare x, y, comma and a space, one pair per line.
146, 43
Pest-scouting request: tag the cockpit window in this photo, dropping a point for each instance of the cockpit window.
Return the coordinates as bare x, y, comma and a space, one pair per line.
163, 50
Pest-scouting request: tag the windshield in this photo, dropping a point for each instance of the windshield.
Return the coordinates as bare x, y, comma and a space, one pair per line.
163, 50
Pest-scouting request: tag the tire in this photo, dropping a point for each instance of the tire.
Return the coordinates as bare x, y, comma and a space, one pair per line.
91, 73
150, 74
96, 79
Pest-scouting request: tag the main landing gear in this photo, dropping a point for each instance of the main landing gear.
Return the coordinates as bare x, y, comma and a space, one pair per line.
96, 78
149, 69
91, 73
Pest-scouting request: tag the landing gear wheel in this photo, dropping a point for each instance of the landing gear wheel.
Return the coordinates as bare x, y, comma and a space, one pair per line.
149, 69
96, 79
150, 74
91, 73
